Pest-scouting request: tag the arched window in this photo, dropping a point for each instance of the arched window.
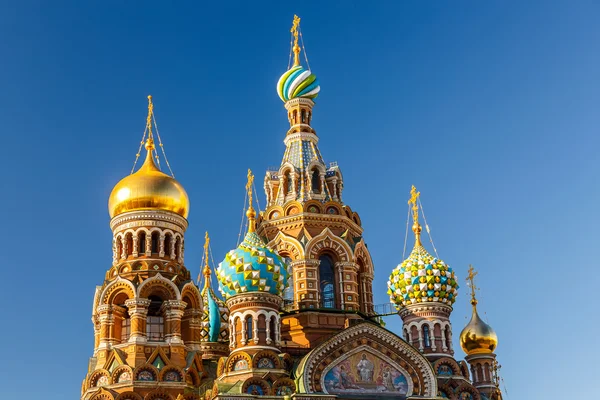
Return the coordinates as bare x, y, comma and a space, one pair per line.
155, 238
125, 328
303, 116
142, 242
249, 330
155, 323
316, 181
289, 181
288, 293
177, 246
168, 245
406, 336
129, 243
426, 340
327, 281
295, 117
119, 248
272, 328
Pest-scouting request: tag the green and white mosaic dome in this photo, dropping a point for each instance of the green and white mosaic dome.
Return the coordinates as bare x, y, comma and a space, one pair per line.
422, 278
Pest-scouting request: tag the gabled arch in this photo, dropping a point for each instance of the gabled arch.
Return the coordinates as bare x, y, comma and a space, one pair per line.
115, 288
129, 396
102, 394
191, 290
361, 251
327, 240
165, 285
376, 341
447, 361
287, 244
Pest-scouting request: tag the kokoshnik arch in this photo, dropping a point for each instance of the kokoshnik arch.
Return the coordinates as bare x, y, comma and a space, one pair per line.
296, 318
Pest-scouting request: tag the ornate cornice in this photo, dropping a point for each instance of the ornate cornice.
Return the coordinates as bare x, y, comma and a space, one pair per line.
310, 219
238, 300
149, 218
426, 307
301, 135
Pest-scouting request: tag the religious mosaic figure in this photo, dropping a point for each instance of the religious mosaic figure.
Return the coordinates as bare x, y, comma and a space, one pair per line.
388, 380
365, 369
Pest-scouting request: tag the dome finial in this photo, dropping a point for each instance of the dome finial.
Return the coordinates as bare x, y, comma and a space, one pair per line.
471, 282
414, 196
206, 270
150, 140
296, 48
251, 214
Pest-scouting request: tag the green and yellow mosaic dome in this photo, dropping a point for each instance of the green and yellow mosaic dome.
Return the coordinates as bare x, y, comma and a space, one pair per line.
422, 278
252, 267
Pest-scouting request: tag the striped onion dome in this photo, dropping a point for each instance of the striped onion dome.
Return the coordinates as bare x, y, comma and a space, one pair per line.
298, 82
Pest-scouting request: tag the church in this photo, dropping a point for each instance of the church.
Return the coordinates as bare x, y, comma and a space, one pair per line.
293, 316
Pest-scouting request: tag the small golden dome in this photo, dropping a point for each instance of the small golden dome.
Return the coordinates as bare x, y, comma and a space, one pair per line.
477, 336
148, 189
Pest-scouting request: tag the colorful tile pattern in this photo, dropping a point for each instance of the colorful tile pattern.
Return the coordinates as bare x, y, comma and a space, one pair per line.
252, 267
422, 278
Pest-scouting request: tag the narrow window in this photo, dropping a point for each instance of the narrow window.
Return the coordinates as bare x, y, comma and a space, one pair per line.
142, 242
155, 242
168, 245
426, 336
316, 182
303, 116
327, 284
249, 330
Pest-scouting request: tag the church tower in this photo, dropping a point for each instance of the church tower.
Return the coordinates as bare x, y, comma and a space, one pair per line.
478, 340
321, 238
252, 278
146, 314
423, 288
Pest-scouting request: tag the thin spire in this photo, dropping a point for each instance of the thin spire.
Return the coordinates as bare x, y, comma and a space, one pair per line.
206, 270
471, 283
251, 214
414, 196
296, 48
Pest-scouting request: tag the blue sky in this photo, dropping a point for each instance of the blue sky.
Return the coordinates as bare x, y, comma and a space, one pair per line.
490, 109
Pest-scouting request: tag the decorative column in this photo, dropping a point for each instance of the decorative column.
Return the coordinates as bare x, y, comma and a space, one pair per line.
136, 249
123, 248
173, 241
306, 283
106, 322
138, 311
173, 311
161, 252
193, 319
334, 186
149, 244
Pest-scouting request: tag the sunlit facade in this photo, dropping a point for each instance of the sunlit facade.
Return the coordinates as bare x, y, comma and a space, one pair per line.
295, 316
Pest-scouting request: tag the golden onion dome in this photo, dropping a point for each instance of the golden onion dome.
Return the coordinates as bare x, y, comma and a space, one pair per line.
478, 337
148, 189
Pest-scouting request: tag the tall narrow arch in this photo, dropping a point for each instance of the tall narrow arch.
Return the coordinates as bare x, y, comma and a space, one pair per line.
327, 281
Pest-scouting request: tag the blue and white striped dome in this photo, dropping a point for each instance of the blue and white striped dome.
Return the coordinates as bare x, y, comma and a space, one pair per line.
298, 82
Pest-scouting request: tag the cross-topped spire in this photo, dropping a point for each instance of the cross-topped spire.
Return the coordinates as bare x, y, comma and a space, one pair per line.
471, 283
414, 197
296, 48
251, 214
206, 269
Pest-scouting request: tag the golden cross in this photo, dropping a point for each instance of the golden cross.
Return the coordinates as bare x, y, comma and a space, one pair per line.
206, 244
249, 185
149, 118
471, 281
296, 48
414, 196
